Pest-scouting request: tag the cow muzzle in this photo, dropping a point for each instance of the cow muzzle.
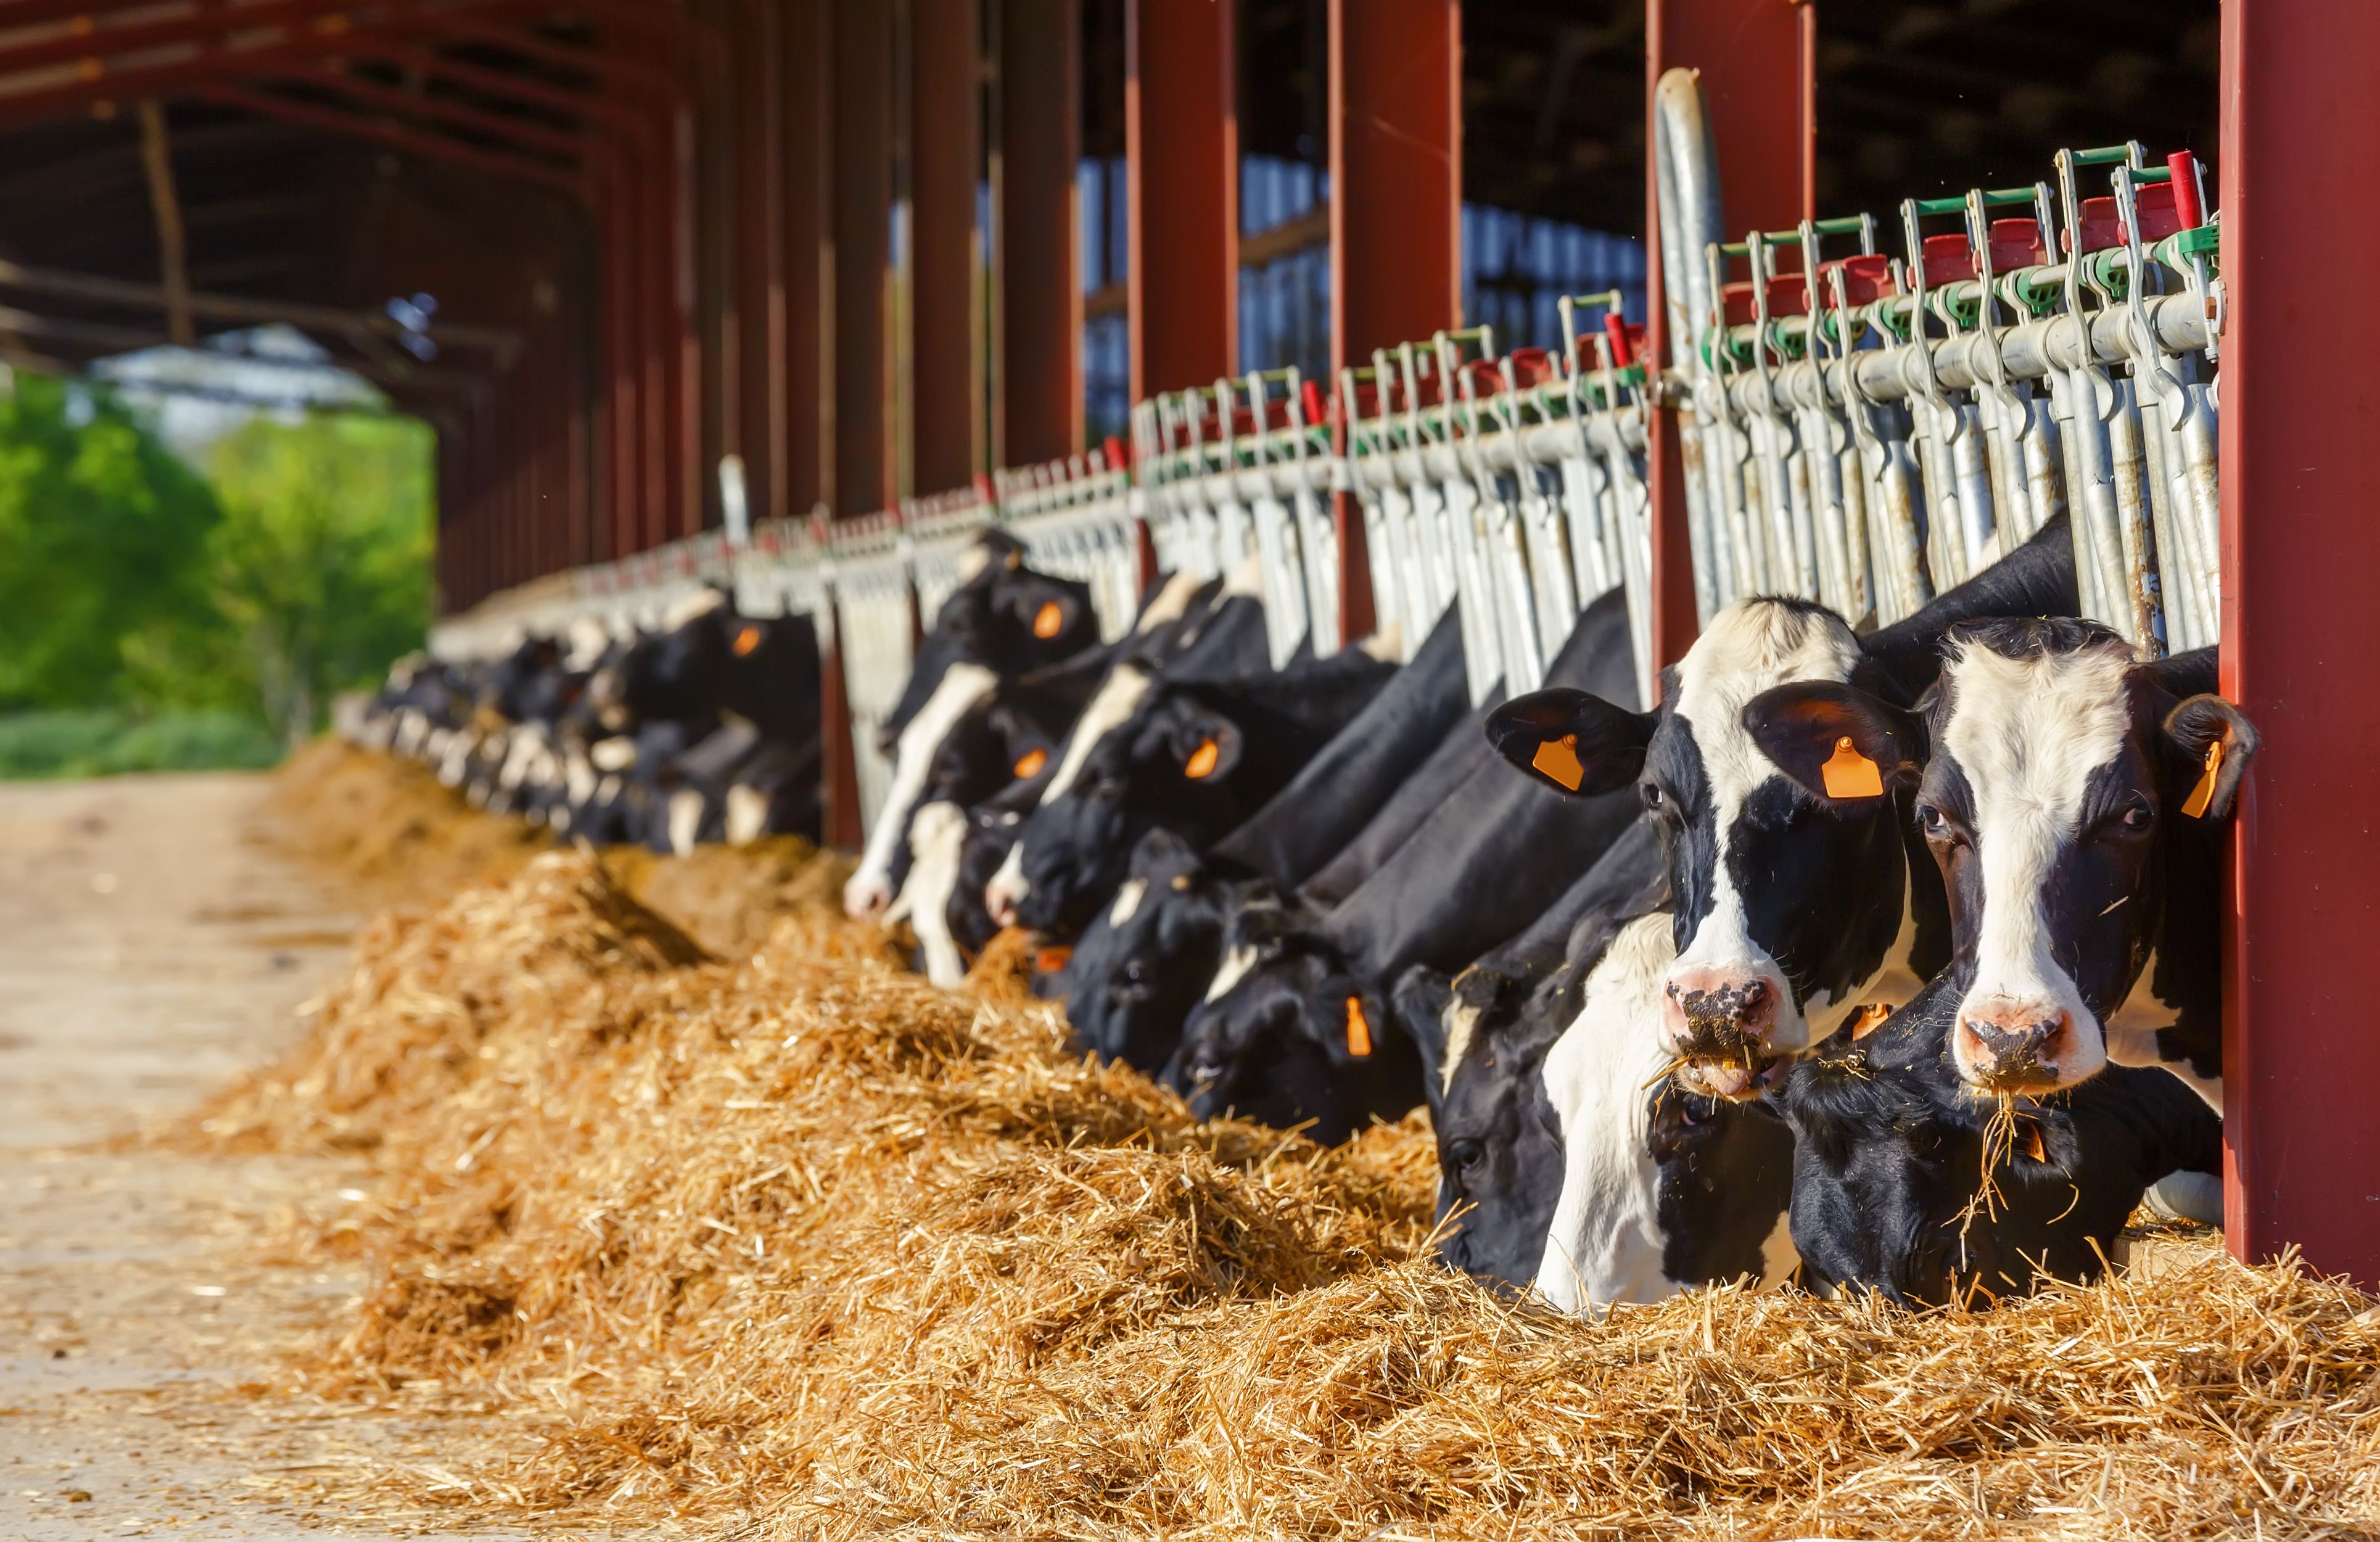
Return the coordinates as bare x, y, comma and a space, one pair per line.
1717, 1022
867, 896
2006, 1044
1002, 895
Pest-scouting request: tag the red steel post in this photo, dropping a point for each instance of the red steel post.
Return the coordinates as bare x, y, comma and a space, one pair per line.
1182, 150
863, 256
945, 159
1396, 205
1040, 242
1755, 57
2301, 563
808, 96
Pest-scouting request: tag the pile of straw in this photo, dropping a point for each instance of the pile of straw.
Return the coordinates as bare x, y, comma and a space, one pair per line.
802, 1244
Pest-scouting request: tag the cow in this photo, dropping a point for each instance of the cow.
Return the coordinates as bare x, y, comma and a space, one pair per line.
1790, 914
1891, 1149
988, 631
1491, 859
2075, 798
1155, 749
1483, 1035
1143, 961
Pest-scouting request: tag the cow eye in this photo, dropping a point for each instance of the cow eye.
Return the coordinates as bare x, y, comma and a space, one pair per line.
1461, 1154
1654, 802
2137, 814
1937, 823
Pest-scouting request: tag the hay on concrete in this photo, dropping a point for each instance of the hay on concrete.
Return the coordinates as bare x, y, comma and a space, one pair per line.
805, 1241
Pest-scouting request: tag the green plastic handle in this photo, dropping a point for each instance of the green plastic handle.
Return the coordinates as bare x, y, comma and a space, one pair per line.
2105, 155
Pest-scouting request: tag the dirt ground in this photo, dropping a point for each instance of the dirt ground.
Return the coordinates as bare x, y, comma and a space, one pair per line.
152, 945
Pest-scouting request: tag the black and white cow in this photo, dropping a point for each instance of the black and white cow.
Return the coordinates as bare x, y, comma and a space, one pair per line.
1791, 912
2076, 800
1483, 1035
1156, 750
1276, 1019
940, 734
1892, 1145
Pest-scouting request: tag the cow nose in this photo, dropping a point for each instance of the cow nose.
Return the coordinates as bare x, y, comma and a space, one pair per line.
1708, 1012
865, 897
2011, 1043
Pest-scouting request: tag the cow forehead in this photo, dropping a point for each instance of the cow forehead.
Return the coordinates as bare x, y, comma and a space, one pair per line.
1111, 708
1751, 647
2029, 733
693, 607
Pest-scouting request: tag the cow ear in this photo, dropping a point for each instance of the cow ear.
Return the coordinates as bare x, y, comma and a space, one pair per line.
2217, 741
1839, 742
1579, 744
1207, 747
1045, 610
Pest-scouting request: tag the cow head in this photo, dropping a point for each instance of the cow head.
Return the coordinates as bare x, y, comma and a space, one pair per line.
1145, 754
1143, 963
1790, 907
1256, 1046
1484, 1036
1004, 617
2059, 771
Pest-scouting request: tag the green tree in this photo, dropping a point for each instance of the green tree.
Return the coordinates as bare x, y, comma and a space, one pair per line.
104, 540
321, 564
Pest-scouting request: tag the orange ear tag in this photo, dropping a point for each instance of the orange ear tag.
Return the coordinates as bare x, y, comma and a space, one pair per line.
1557, 761
1867, 1019
1031, 762
1359, 1032
1049, 961
1048, 619
1850, 774
1202, 760
746, 641
2203, 793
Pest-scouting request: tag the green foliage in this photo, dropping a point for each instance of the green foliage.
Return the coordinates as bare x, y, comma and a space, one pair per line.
321, 562
152, 617
99, 742
103, 537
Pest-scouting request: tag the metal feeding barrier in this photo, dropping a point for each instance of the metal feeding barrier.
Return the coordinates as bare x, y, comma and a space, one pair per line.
1870, 429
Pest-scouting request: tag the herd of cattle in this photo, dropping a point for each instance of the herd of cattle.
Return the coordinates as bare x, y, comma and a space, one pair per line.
1885, 960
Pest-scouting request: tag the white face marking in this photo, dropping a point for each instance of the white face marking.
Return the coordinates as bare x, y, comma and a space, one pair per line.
2028, 734
1605, 1244
1461, 1020
747, 814
972, 561
521, 749
961, 687
614, 754
1172, 602
1008, 887
607, 790
1245, 579
937, 837
685, 820
1237, 965
578, 777
693, 607
1388, 644
1753, 646
1118, 696
587, 638
1127, 901
2131, 1033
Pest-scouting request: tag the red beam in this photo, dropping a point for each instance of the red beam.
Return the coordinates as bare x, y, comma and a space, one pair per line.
520, 132
809, 247
1756, 62
947, 155
1041, 409
1183, 157
1396, 204
863, 201
411, 142
2301, 563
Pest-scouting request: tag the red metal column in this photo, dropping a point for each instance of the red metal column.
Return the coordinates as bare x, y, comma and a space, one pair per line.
1396, 204
1182, 147
808, 96
1756, 62
863, 208
761, 255
1040, 239
840, 789
2301, 564
946, 161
